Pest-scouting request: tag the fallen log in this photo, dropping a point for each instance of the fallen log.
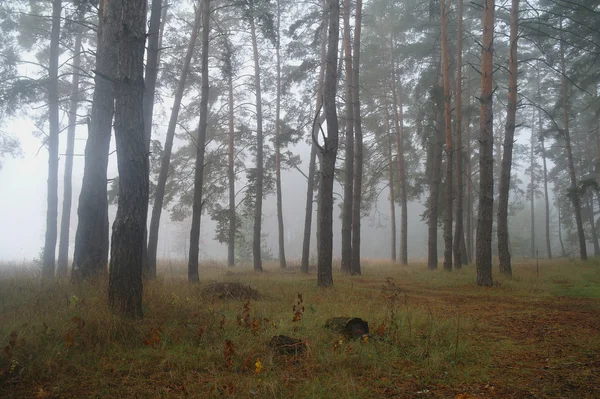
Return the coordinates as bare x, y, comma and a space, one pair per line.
286, 345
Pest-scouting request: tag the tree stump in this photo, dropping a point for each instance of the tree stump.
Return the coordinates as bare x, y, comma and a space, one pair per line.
350, 327
284, 345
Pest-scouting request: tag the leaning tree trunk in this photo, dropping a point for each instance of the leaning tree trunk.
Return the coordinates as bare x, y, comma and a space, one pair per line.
163, 174
448, 147
386, 122
328, 152
486, 152
398, 105
91, 239
65, 222
358, 141
349, 158
313, 155
152, 60
256, 236
503, 244
52, 142
193, 276
458, 227
127, 245
230, 161
573, 191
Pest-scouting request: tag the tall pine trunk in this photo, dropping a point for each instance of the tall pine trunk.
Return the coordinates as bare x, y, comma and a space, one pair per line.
65, 222
546, 200
469, 185
127, 245
256, 236
503, 239
593, 233
458, 228
152, 61
328, 152
390, 157
486, 152
282, 262
573, 191
230, 160
448, 147
313, 154
532, 193
349, 157
163, 175
193, 276
49, 262
358, 142
91, 239
398, 105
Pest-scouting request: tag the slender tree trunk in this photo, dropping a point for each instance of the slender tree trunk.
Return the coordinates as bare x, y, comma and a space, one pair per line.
469, 221
256, 238
532, 192
152, 61
52, 142
328, 152
358, 142
594, 234
434, 196
486, 155
398, 105
458, 228
349, 159
230, 164
127, 245
91, 239
193, 276
574, 194
562, 245
546, 200
313, 155
448, 148
282, 262
65, 223
503, 242
391, 179
163, 175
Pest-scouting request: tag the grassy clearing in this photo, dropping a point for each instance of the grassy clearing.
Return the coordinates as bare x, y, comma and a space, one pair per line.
433, 334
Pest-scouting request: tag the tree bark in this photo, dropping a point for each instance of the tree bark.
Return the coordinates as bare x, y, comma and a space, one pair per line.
256, 238
486, 153
328, 152
193, 276
52, 142
358, 142
230, 163
532, 194
469, 176
562, 245
152, 61
313, 154
434, 196
594, 234
448, 147
546, 200
127, 245
91, 239
574, 194
166, 156
503, 243
282, 262
399, 126
391, 179
347, 205
458, 228
65, 223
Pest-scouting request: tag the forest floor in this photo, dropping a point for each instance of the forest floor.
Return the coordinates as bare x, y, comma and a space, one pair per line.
434, 334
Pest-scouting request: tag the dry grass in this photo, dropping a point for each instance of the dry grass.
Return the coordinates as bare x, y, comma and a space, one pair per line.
433, 334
